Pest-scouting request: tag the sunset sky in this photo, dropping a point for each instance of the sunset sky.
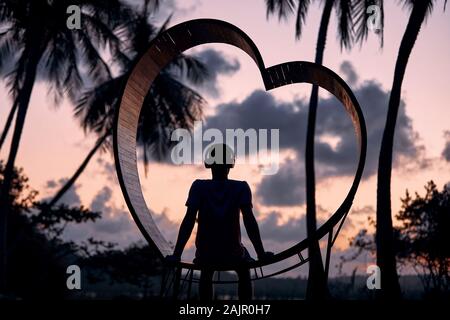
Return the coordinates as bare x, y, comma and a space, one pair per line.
53, 143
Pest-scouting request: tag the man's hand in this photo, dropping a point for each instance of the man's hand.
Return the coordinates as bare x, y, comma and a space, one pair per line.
172, 259
266, 255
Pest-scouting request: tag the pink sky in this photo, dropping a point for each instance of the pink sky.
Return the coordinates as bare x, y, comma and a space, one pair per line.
53, 145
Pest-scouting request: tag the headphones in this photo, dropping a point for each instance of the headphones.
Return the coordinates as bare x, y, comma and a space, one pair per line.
219, 154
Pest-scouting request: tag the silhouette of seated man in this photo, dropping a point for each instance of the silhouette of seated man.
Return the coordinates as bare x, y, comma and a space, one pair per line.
218, 202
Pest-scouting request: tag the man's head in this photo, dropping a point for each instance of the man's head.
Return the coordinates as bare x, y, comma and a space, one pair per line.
220, 158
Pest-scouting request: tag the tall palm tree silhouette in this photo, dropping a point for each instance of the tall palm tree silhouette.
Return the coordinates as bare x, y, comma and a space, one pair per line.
390, 288
35, 35
352, 18
170, 104
8, 123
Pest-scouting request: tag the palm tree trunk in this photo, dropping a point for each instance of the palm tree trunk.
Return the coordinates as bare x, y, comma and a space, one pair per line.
317, 280
390, 288
5, 199
78, 172
8, 123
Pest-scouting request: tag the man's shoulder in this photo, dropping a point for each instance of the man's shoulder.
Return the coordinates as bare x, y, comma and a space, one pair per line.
240, 184
235, 183
198, 183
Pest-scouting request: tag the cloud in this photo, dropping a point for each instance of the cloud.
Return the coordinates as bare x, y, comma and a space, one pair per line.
286, 188
7, 65
278, 235
260, 110
169, 7
99, 203
108, 169
446, 151
347, 69
217, 64
335, 148
51, 184
70, 198
168, 228
363, 211
293, 230
116, 224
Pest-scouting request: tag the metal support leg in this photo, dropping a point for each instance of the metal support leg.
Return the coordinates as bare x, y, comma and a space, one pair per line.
164, 280
176, 283
190, 283
327, 259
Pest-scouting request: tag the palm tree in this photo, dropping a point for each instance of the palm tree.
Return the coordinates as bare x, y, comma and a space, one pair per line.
170, 104
8, 123
390, 288
35, 35
350, 14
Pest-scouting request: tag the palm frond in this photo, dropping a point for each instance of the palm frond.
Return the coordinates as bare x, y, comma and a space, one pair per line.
427, 5
97, 67
101, 34
73, 81
135, 36
344, 10
65, 53
9, 47
283, 8
94, 104
150, 6
302, 11
189, 68
169, 105
361, 14
71, 59
111, 13
7, 11
52, 64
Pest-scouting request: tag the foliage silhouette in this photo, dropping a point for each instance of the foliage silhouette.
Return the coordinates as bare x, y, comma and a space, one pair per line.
170, 104
45, 48
38, 255
350, 14
421, 240
390, 288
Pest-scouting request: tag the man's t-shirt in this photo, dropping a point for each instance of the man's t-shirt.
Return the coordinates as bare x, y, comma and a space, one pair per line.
218, 232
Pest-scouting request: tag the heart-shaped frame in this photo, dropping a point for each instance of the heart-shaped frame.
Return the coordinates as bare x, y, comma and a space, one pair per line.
163, 49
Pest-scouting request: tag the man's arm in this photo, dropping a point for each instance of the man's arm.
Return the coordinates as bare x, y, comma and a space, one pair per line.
252, 230
185, 231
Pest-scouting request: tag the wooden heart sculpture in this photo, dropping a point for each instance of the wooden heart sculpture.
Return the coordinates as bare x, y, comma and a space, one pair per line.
162, 50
